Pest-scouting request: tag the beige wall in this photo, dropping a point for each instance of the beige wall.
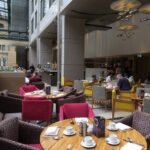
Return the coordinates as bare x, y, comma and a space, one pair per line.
106, 43
12, 56
10, 50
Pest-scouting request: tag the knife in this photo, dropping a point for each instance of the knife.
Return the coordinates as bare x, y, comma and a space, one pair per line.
133, 142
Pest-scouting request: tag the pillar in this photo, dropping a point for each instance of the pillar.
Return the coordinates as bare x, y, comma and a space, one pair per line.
72, 40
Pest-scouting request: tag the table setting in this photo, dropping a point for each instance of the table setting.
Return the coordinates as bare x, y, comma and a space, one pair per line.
37, 93
93, 134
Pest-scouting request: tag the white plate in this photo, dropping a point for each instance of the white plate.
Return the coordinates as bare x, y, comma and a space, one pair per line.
112, 129
88, 146
66, 133
109, 142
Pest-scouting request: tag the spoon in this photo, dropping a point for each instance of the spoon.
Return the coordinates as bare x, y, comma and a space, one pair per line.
55, 137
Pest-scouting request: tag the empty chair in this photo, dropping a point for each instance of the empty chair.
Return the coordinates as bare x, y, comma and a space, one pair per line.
140, 121
146, 90
27, 88
146, 105
78, 84
99, 95
33, 109
123, 103
19, 135
10, 103
74, 110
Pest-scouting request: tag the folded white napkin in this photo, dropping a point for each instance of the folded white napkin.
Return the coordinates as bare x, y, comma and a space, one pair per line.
27, 94
60, 94
122, 126
52, 130
81, 120
131, 146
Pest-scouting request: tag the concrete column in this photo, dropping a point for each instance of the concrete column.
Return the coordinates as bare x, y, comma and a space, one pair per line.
45, 53
32, 56
72, 48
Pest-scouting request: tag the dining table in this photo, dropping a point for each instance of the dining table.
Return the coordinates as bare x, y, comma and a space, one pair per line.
75, 140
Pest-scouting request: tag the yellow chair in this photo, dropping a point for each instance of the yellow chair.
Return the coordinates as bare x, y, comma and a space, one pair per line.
68, 83
88, 91
123, 103
133, 89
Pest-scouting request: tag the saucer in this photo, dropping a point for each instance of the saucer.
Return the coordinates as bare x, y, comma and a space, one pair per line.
109, 142
88, 146
66, 133
112, 129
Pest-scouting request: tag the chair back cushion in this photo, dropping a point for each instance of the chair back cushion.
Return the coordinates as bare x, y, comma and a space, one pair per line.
99, 92
35, 98
78, 85
73, 110
35, 79
141, 122
29, 88
9, 129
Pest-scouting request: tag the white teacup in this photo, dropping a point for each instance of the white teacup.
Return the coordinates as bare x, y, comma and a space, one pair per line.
88, 140
113, 138
112, 125
69, 129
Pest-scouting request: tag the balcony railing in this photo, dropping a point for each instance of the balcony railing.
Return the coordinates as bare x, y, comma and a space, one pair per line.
13, 35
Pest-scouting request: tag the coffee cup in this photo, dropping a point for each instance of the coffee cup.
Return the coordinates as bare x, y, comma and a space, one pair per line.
112, 125
88, 140
113, 138
69, 129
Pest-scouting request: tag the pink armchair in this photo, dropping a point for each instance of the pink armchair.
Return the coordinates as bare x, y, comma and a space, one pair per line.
73, 110
27, 88
37, 110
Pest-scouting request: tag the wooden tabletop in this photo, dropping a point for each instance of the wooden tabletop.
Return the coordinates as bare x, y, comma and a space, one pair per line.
75, 140
50, 96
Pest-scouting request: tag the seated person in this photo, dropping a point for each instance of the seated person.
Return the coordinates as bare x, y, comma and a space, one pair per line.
108, 78
123, 83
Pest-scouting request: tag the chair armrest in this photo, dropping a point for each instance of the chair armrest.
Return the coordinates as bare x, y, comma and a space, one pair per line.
29, 133
147, 137
15, 96
10, 105
90, 113
13, 145
61, 114
127, 120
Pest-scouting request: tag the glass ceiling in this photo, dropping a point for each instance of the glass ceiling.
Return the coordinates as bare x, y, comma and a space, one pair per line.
4, 9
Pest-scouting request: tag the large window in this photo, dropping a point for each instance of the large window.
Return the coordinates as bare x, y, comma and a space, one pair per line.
4, 9
2, 48
35, 19
51, 2
43, 8
32, 26
4, 61
32, 4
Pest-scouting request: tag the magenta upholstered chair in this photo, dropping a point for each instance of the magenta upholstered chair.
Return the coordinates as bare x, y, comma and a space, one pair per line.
37, 110
72, 110
27, 88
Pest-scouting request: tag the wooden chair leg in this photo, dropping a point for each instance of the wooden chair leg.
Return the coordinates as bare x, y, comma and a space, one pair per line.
3, 116
105, 105
92, 102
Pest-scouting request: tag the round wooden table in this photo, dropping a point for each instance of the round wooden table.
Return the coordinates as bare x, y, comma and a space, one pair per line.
75, 140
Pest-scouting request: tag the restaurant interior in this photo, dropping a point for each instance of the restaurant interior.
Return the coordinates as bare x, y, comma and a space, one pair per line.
106, 108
